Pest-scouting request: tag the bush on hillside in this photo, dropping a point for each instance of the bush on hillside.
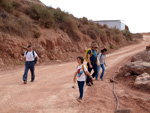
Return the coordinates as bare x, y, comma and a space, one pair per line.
128, 35
71, 28
16, 26
41, 14
9, 5
59, 15
137, 35
84, 20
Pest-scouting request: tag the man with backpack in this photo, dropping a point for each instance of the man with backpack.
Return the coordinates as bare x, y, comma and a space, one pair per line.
91, 58
31, 59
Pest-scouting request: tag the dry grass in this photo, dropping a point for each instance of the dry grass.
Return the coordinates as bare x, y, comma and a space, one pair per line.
42, 15
16, 26
128, 35
48, 17
9, 5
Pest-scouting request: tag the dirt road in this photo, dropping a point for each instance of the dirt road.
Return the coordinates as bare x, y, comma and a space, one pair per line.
52, 93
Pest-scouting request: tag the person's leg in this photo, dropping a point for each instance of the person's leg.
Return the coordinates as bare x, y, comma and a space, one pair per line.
95, 70
89, 69
81, 85
98, 70
26, 71
103, 70
32, 65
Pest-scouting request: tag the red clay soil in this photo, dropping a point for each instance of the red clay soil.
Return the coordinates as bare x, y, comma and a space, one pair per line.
52, 90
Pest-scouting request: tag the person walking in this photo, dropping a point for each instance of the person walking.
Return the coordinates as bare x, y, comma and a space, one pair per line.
81, 72
30, 60
92, 62
101, 58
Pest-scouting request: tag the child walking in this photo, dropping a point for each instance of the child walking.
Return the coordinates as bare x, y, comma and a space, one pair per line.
81, 73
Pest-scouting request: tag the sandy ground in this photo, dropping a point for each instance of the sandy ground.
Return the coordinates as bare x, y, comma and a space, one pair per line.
52, 90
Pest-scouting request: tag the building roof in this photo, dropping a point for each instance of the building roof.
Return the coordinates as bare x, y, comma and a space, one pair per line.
109, 21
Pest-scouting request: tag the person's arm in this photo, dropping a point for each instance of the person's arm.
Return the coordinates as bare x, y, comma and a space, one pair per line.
89, 75
89, 61
75, 75
36, 56
25, 56
105, 61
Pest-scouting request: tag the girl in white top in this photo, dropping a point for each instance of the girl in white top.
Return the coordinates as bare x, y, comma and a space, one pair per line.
80, 73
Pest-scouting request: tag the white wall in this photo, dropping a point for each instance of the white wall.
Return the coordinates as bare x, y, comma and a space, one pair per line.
112, 24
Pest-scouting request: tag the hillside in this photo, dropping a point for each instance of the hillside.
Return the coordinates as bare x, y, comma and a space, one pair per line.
54, 34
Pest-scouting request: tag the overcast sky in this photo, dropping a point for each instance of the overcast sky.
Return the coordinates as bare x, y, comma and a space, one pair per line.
135, 13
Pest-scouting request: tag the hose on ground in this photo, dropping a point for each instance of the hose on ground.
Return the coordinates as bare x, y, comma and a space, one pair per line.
117, 107
113, 80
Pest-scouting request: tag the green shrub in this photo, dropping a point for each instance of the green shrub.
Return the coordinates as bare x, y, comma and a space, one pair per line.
72, 28
41, 14
59, 15
112, 46
116, 38
9, 5
115, 31
15, 26
128, 35
37, 34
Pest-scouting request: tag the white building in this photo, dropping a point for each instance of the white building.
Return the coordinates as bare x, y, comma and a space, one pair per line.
113, 23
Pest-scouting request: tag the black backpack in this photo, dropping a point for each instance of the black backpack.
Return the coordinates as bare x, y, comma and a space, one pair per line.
35, 59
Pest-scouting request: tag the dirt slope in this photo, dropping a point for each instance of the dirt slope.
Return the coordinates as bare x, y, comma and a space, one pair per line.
52, 93
53, 33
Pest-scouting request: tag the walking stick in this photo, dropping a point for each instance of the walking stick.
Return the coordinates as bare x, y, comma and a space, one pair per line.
74, 83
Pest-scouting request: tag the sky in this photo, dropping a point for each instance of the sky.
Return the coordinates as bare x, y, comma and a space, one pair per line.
135, 13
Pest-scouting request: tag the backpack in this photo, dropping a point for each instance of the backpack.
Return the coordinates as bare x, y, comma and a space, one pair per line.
83, 69
86, 54
35, 59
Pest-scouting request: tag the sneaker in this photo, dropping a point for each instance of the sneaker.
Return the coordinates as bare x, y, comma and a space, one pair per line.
88, 84
32, 81
101, 79
92, 83
79, 100
25, 82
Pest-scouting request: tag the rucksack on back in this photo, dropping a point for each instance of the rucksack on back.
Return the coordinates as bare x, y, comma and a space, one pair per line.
83, 69
35, 59
86, 54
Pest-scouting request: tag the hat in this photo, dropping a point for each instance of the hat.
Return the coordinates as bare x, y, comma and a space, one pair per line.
29, 46
94, 45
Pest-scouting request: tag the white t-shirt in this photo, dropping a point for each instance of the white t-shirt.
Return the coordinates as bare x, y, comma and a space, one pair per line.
29, 56
101, 58
80, 74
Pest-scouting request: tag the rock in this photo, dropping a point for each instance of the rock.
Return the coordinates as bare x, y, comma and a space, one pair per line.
1, 62
143, 81
123, 111
148, 48
127, 74
144, 56
137, 68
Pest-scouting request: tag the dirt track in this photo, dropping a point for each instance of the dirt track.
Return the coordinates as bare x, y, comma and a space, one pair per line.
52, 93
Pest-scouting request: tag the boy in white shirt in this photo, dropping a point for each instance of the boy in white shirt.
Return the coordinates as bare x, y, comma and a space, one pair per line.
81, 73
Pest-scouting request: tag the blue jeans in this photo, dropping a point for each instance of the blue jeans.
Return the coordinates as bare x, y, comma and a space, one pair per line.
103, 70
81, 85
90, 69
98, 70
29, 65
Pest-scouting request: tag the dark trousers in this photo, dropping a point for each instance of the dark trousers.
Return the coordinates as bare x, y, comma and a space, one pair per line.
81, 85
90, 69
29, 65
